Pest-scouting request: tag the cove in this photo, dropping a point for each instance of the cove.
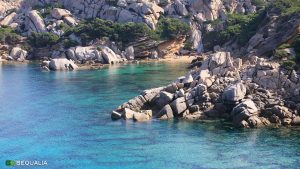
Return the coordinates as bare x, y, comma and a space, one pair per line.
64, 118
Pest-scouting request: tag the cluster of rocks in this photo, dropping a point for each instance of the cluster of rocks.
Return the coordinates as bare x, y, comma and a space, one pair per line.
16, 54
100, 54
81, 55
34, 22
222, 87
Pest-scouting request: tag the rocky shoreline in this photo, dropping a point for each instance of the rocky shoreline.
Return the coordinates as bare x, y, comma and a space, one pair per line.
252, 92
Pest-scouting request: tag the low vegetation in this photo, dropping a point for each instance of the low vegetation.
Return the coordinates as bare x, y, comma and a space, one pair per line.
280, 54
171, 28
289, 64
287, 7
239, 27
43, 39
9, 35
124, 33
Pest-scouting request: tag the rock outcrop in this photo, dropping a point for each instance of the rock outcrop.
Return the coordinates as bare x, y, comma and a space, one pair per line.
227, 88
98, 54
62, 64
109, 56
35, 22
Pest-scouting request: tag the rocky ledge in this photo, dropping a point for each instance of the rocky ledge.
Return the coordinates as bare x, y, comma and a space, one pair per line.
250, 92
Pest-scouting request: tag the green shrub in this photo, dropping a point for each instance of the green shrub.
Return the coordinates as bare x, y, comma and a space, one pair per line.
259, 3
171, 28
125, 33
289, 64
242, 27
130, 31
287, 7
92, 29
284, 46
43, 39
281, 54
65, 27
188, 45
9, 35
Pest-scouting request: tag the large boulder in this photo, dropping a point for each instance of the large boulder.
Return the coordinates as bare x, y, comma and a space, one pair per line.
247, 107
59, 13
70, 20
84, 53
180, 8
129, 53
18, 54
178, 106
210, 10
164, 98
234, 93
36, 22
109, 56
62, 64
141, 117
220, 59
166, 112
128, 114
196, 39
8, 19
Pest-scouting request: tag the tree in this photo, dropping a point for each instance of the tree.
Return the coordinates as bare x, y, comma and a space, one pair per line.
43, 39
171, 28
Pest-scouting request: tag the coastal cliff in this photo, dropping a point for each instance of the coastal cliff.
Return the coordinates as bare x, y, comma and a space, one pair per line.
78, 30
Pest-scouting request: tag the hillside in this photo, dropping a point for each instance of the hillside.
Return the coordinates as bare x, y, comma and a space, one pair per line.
79, 30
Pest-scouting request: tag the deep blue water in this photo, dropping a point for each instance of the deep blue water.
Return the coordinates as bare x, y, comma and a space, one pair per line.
64, 118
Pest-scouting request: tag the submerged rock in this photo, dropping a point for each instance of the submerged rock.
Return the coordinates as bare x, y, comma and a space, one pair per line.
116, 115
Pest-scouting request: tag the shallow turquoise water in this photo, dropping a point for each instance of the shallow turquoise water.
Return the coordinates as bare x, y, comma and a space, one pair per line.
64, 118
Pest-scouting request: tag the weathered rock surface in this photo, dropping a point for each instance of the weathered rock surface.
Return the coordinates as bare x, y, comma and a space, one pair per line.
84, 53
18, 54
141, 117
232, 92
35, 22
62, 64
178, 106
109, 56
128, 114
59, 13
8, 19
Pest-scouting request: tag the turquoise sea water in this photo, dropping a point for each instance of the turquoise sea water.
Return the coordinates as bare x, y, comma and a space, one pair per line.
64, 118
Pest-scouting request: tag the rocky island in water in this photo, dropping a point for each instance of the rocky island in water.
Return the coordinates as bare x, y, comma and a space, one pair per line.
243, 55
